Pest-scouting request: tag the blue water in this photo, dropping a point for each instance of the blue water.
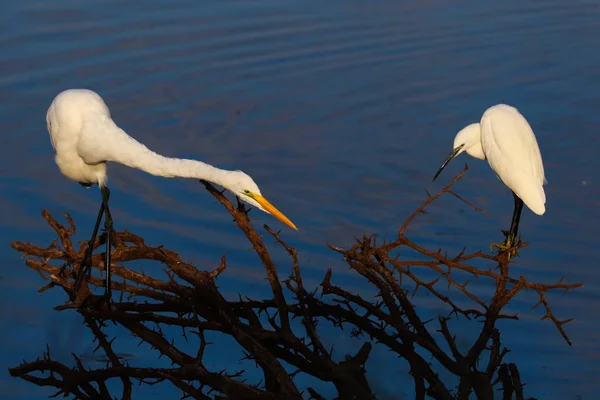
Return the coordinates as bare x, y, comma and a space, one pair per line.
341, 111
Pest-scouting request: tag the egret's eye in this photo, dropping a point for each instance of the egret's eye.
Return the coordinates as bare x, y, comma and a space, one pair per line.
247, 193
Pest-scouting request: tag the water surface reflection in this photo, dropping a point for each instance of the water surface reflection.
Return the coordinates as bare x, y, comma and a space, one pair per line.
341, 112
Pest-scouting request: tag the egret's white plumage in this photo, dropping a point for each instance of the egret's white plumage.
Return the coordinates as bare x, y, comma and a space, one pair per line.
85, 137
505, 139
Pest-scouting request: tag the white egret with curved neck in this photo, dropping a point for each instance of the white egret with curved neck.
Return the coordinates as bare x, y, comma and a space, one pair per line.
505, 139
85, 137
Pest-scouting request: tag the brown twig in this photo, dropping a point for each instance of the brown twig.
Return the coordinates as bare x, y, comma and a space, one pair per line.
240, 216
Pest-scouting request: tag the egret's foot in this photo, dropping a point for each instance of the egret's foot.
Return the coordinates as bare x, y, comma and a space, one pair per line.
80, 280
506, 246
62, 270
96, 302
107, 298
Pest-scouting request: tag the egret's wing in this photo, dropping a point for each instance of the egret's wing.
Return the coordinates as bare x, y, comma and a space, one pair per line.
535, 156
513, 153
536, 160
49, 127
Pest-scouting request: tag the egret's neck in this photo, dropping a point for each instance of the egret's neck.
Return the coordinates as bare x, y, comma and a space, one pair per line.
158, 165
185, 168
105, 141
476, 151
470, 138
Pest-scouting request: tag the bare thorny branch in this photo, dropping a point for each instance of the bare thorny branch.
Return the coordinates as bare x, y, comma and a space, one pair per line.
189, 298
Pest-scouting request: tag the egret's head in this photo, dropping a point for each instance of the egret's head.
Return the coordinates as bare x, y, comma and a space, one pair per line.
247, 190
469, 140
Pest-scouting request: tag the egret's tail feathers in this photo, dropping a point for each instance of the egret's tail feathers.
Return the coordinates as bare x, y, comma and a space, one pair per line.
536, 199
538, 209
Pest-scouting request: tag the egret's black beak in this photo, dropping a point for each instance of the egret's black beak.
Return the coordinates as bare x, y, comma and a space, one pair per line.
450, 157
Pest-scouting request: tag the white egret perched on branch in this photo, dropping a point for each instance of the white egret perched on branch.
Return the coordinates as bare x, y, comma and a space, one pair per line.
506, 140
85, 137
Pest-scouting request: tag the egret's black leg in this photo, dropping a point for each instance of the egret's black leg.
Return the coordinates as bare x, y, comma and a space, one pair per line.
514, 226
86, 265
108, 229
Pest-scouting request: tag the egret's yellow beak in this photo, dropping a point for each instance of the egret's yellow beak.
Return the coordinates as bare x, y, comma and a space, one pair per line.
270, 208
